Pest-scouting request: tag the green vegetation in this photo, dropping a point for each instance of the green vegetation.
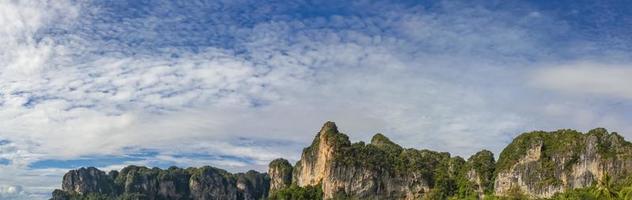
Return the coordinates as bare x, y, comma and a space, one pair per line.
384, 155
563, 142
557, 143
482, 165
332, 137
568, 143
443, 172
583, 193
607, 144
605, 189
382, 142
142, 183
451, 177
295, 192
446, 175
555, 146
554, 153
280, 169
280, 164
62, 195
342, 195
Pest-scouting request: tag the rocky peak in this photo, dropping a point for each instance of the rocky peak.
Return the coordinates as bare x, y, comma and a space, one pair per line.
540, 164
380, 170
537, 164
382, 141
252, 185
88, 180
484, 156
280, 172
135, 182
329, 137
315, 159
329, 127
480, 171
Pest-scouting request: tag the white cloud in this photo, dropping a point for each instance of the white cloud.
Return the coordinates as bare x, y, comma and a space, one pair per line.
587, 78
448, 81
23, 55
201, 102
10, 189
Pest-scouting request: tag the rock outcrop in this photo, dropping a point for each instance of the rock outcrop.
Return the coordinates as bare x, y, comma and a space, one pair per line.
535, 165
380, 170
540, 164
89, 180
280, 172
135, 182
479, 173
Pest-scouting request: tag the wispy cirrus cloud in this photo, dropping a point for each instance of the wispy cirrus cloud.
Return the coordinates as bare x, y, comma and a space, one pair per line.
237, 83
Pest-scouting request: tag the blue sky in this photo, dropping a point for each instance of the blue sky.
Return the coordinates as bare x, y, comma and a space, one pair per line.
235, 84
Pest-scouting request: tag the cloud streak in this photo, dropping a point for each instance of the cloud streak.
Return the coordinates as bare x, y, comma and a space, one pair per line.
236, 84
587, 78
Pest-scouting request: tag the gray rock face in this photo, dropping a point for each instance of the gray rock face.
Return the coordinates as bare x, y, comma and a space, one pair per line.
154, 183
367, 183
280, 171
135, 182
372, 171
252, 185
479, 170
89, 180
537, 164
542, 164
210, 183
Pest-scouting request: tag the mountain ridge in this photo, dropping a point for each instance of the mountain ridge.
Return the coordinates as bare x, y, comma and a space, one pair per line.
535, 165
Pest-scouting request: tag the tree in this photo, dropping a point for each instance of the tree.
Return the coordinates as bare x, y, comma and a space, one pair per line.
625, 193
604, 188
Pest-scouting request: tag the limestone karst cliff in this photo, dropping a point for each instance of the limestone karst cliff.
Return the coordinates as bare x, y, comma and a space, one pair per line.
534, 165
135, 182
379, 170
541, 164
280, 172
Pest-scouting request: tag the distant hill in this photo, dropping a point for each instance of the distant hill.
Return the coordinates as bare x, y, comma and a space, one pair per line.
563, 164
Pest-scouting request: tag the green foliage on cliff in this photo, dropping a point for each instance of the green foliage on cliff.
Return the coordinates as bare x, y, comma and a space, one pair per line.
513, 194
484, 164
142, 183
280, 164
444, 186
611, 145
565, 146
63, 195
561, 142
295, 192
478, 168
383, 155
332, 137
605, 189
444, 173
394, 159
447, 177
382, 142
583, 193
